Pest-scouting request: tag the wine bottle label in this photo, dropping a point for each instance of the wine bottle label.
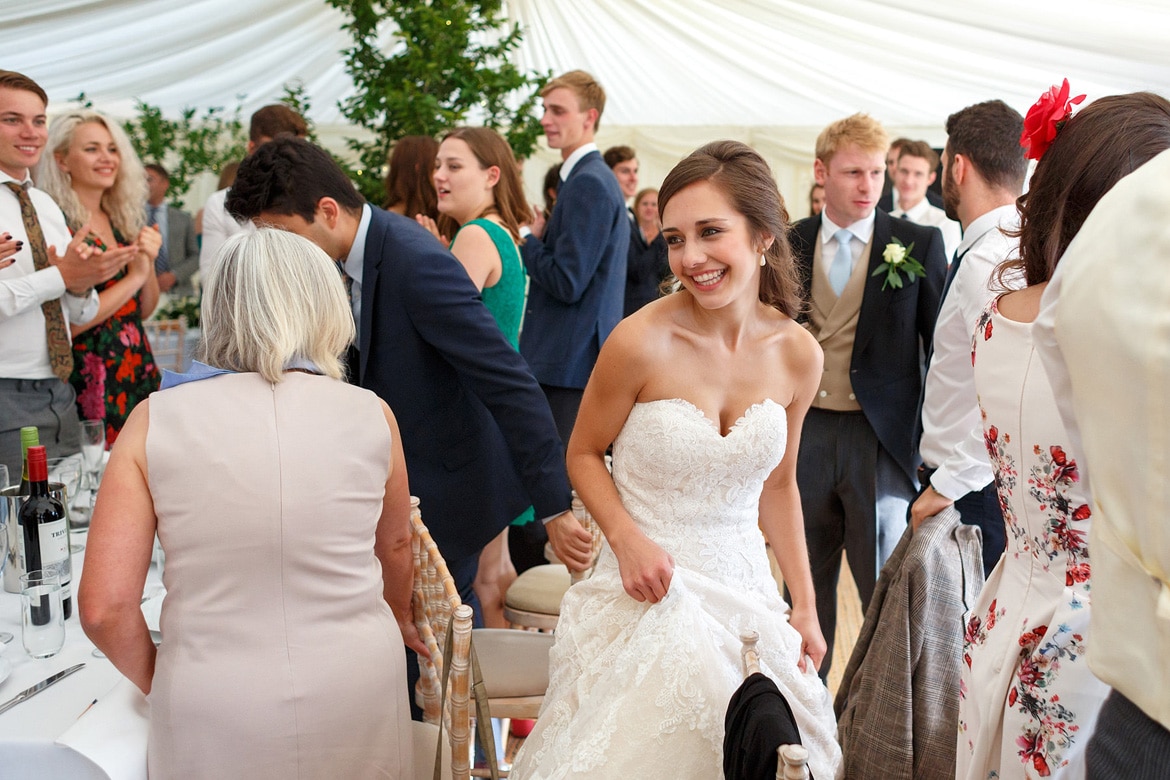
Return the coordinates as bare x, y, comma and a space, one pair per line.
54, 543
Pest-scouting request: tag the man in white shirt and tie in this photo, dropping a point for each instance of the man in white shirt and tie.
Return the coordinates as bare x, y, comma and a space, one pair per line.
983, 174
41, 292
178, 258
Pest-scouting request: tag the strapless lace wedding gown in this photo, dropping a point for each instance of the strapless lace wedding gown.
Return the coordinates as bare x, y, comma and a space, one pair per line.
640, 690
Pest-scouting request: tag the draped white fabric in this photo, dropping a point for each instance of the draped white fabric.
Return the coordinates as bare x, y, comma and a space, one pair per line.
677, 72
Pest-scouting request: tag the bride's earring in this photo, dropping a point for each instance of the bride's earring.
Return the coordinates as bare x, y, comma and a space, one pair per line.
763, 261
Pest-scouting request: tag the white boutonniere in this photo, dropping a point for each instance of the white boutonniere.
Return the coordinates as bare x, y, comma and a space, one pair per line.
898, 262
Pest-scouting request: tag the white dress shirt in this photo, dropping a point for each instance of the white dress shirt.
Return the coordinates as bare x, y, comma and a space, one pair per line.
353, 264
24, 346
952, 428
218, 227
1103, 339
574, 158
927, 214
862, 231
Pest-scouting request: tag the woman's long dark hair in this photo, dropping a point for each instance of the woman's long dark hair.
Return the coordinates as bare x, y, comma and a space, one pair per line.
1104, 142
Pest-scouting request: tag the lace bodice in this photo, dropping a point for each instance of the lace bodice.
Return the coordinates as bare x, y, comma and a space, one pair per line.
693, 491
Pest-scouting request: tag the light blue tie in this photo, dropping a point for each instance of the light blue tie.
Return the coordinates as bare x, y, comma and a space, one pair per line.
842, 266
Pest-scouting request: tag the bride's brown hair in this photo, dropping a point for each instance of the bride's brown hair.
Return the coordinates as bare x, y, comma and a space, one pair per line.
745, 178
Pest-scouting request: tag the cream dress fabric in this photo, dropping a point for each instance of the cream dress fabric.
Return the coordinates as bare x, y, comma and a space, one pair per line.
1028, 701
640, 690
280, 657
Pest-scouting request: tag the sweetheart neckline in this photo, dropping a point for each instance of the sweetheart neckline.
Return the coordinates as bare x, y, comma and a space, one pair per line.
714, 423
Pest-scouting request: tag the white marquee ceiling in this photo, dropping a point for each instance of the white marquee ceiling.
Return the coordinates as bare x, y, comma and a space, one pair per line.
677, 72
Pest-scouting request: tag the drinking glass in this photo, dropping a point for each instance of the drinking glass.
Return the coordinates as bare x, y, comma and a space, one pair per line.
5, 636
42, 618
66, 472
93, 445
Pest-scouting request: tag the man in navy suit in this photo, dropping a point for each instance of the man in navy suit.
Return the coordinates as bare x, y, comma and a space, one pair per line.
859, 447
577, 264
480, 442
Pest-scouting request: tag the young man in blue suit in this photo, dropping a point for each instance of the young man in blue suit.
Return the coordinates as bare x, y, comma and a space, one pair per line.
480, 443
577, 263
859, 448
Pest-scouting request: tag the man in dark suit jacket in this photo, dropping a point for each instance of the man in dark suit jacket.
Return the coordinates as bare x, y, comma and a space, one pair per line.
480, 443
577, 264
180, 258
859, 447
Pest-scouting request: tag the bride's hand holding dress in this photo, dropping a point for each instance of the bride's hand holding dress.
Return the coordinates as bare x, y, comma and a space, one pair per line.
645, 567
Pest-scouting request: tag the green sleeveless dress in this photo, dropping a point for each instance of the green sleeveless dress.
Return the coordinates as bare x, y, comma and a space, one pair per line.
505, 299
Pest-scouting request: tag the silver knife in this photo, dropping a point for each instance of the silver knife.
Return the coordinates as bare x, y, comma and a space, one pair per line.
42, 685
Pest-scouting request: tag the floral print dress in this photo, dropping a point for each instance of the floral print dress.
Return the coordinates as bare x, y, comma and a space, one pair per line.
1028, 702
113, 368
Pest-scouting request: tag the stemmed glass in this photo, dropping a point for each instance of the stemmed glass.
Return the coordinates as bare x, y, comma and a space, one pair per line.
93, 446
5, 636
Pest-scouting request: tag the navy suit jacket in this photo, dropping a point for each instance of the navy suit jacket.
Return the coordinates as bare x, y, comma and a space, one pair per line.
646, 266
894, 328
578, 275
479, 438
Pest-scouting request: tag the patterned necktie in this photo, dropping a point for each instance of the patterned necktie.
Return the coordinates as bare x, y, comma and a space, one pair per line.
161, 262
60, 343
842, 266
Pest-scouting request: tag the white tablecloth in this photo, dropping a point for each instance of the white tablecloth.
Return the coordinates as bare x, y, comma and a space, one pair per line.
113, 735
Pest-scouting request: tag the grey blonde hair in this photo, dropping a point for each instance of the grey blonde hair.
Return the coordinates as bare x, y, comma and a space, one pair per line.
124, 203
272, 297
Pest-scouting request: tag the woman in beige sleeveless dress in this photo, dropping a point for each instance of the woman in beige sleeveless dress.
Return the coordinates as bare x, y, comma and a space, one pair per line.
280, 497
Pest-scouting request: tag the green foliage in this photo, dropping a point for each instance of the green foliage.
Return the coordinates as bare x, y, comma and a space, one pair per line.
187, 308
449, 65
192, 144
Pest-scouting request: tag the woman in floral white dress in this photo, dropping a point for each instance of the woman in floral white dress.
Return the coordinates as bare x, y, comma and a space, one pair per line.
1028, 702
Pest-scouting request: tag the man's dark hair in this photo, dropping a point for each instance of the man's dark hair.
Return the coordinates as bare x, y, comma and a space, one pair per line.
616, 155
988, 135
276, 121
161, 171
289, 176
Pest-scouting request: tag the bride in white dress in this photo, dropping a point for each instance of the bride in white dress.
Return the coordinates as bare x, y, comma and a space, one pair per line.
702, 394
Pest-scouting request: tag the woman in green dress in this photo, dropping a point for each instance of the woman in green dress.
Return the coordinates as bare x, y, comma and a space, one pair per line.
482, 205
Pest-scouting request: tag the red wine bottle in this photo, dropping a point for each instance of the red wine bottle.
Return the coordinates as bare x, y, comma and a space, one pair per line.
29, 437
45, 534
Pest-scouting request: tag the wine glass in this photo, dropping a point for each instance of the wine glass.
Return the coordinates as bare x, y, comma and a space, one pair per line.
5, 636
93, 446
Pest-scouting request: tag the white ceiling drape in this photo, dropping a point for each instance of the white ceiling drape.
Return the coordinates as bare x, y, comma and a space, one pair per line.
677, 72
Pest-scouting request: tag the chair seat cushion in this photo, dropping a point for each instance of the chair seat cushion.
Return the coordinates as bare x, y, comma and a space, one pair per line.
514, 663
540, 589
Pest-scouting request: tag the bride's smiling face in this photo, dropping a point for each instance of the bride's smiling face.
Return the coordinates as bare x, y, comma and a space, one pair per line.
713, 252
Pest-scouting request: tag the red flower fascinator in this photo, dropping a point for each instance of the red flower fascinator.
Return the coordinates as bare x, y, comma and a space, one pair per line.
1045, 118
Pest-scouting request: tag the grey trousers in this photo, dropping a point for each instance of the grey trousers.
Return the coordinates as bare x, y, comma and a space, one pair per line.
50, 405
855, 499
1127, 744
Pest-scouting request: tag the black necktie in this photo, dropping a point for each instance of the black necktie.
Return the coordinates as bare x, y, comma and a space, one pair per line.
958, 258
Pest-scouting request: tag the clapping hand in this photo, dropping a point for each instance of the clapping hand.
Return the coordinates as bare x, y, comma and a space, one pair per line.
83, 265
9, 246
538, 222
149, 243
432, 227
